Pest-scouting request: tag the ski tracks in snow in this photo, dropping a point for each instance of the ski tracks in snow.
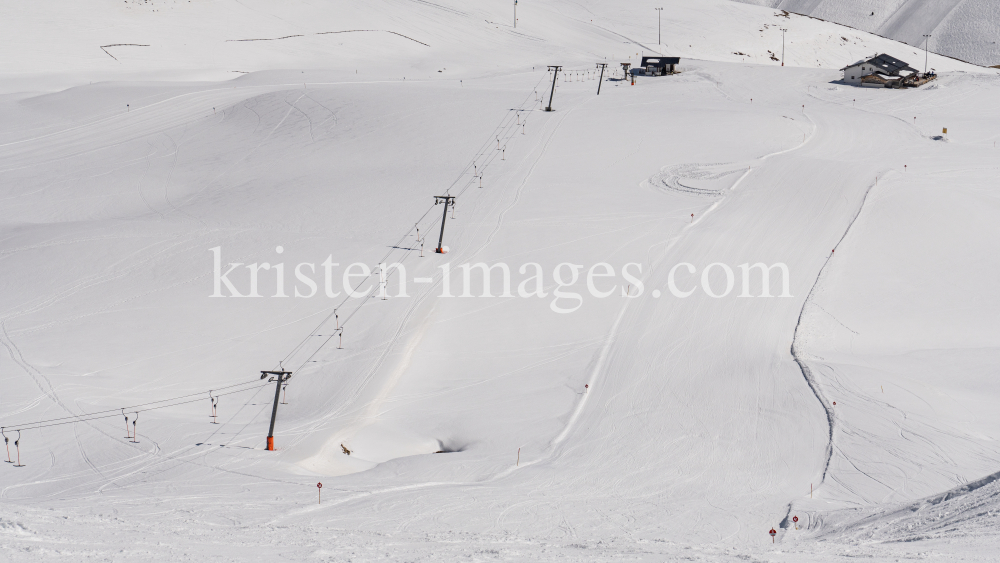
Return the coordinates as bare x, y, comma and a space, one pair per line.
797, 354
522, 185
612, 334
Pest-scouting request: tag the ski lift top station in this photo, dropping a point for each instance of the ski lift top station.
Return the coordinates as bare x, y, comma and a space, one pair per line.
657, 66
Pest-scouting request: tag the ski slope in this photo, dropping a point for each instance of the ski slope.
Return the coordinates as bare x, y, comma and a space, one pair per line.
68, 43
636, 427
964, 29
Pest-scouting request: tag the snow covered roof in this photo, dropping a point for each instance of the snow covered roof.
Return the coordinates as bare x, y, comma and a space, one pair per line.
859, 63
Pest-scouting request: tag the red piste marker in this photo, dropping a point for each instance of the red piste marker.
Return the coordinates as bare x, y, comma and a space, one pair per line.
773, 533
319, 490
796, 520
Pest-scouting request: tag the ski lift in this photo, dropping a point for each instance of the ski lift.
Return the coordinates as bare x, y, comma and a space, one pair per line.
128, 436
134, 435
281, 369
17, 446
215, 403
6, 442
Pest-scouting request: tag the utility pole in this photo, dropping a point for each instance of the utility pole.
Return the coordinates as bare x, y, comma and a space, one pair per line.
448, 201
555, 73
783, 30
602, 66
280, 377
926, 38
659, 40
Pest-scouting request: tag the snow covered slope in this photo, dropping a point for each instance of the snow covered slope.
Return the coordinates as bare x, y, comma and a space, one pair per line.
67, 43
642, 426
964, 29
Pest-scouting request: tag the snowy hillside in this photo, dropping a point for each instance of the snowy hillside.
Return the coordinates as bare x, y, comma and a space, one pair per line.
63, 43
179, 217
965, 29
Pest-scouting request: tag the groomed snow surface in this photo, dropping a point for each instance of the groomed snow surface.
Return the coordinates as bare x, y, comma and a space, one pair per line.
640, 427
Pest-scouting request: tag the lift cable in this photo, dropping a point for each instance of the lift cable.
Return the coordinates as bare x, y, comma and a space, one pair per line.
512, 117
142, 407
503, 129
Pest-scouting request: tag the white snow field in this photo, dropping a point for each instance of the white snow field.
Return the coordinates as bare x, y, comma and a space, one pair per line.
642, 426
965, 29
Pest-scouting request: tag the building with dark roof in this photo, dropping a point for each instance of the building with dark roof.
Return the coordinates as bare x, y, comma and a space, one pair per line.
879, 71
657, 66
